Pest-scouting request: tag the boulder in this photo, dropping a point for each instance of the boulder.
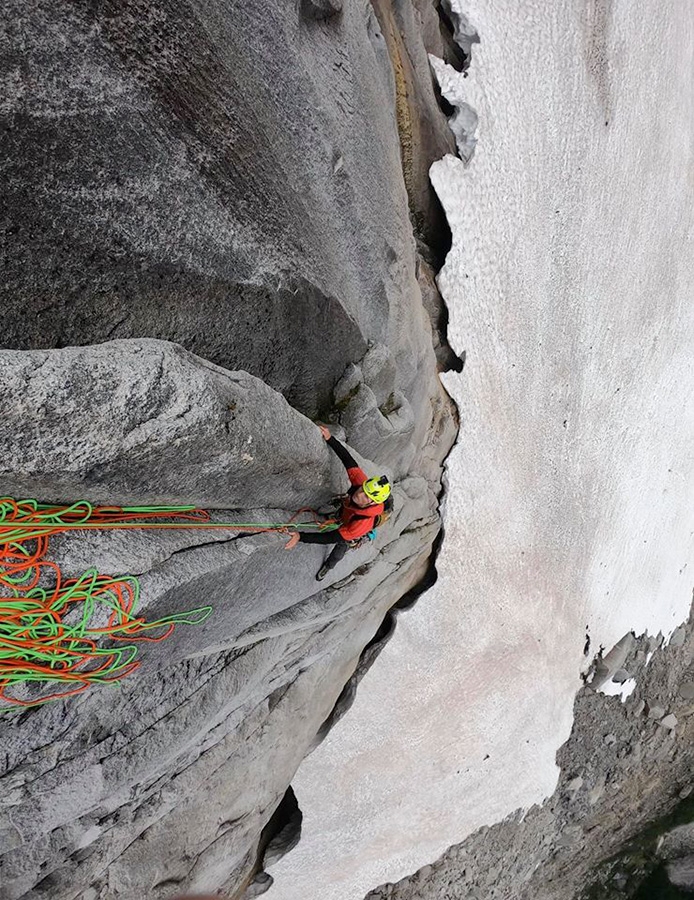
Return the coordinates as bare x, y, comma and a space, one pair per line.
677, 842
680, 872
146, 422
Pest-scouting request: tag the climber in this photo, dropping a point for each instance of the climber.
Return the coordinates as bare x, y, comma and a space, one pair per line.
361, 508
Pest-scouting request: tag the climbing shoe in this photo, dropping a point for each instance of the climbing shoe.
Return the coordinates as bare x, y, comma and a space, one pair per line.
322, 572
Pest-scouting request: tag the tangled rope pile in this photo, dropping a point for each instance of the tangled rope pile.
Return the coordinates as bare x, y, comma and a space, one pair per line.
50, 626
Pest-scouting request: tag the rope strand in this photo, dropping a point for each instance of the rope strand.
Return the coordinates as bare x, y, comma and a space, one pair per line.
49, 634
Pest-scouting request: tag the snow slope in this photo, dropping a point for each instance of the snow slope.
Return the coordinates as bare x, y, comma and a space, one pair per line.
569, 511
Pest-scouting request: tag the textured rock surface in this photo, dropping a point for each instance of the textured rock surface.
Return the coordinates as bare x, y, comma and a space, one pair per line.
168, 780
147, 422
228, 177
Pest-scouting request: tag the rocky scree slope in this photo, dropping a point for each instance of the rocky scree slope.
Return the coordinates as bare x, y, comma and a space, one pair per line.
207, 239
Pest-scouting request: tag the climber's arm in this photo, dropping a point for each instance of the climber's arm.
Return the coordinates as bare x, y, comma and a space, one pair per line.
356, 475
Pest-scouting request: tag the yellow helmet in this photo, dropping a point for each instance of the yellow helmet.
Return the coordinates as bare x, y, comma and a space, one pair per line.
377, 489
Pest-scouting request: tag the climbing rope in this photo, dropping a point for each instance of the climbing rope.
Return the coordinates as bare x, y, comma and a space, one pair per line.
50, 626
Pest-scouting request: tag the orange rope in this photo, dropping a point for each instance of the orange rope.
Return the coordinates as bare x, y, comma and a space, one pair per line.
51, 633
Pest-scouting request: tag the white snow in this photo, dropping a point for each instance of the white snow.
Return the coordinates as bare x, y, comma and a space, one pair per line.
570, 286
614, 689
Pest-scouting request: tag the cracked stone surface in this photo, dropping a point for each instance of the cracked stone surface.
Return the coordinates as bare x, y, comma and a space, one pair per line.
102, 790
207, 220
146, 422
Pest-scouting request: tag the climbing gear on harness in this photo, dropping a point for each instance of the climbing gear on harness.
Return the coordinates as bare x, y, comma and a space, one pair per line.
50, 626
364, 539
377, 489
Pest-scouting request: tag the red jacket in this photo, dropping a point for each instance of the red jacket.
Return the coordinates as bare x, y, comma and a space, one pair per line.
356, 520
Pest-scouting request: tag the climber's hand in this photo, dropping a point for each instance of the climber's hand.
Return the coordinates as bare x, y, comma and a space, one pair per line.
325, 432
292, 542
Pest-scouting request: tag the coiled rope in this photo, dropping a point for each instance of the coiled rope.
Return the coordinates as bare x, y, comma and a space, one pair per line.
50, 626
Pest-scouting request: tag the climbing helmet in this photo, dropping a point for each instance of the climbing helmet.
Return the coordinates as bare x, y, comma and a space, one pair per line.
377, 489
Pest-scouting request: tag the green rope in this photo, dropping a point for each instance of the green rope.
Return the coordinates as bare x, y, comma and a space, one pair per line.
50, 634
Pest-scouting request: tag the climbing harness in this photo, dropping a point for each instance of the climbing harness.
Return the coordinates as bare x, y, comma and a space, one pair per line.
50, 626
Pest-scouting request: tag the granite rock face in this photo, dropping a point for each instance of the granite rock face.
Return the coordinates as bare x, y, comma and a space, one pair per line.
211, 232
226, 176
168, 780
144, 421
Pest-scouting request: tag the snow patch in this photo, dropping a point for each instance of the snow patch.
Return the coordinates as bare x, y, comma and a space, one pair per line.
615, 689
463, 123
569, 283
